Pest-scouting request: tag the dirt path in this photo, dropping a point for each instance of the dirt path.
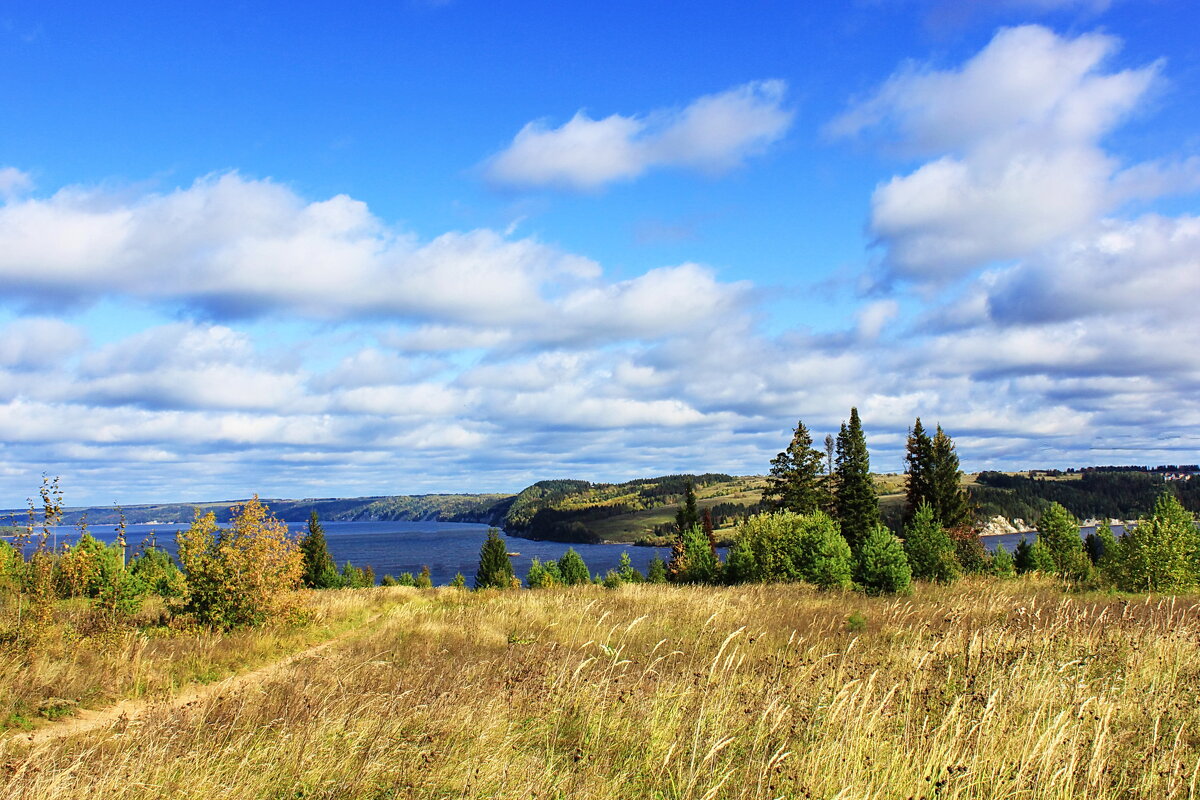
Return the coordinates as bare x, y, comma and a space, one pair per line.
89, 720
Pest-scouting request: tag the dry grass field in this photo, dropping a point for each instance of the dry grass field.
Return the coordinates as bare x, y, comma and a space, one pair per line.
986, 689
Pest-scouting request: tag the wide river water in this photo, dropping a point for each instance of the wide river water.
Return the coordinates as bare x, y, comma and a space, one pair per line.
391, 548
394, 547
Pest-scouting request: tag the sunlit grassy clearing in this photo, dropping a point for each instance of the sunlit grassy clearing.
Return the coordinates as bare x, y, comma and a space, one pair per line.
984, 689
104, 664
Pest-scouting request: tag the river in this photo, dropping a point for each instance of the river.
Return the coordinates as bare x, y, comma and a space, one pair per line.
391, 548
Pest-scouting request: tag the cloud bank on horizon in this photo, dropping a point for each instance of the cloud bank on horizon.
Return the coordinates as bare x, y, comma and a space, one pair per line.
1032, 288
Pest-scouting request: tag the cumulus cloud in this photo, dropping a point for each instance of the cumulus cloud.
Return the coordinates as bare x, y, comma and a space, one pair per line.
230, 247
713, 133
14, 182
1148, 265
1014, 135
38, 343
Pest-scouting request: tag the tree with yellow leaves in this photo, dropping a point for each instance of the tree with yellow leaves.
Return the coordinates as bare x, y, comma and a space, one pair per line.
242, 574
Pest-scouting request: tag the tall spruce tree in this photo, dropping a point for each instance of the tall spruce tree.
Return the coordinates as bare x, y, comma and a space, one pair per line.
794, 483
320, 571
857, 505
687, 516
918, 458
495, 570
948, 498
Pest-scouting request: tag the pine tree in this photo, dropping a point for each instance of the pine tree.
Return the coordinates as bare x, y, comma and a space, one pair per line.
318, 563
794, 483
495, 570
948, 498
1041, 559
571, 568
626, 570
857, 505
1058, 531
1023, 557
657, 571
687, 515
929, 548
882, 566
1161, 554
698, 562
1002, 563
822, 556
829, 481
918, 458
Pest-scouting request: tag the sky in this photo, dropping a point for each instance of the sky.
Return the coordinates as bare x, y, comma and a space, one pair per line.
319, 250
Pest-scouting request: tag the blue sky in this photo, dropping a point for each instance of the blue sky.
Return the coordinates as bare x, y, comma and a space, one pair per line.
319, 250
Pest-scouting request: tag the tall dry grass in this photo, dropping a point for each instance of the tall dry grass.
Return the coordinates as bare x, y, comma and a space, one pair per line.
79, 660
981, 690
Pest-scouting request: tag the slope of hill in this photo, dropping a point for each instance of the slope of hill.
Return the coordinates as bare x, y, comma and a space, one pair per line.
578, 511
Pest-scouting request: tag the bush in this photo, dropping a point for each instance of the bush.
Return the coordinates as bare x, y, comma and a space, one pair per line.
765, 549
424, 580
969, 551
882, 565
240, 575
154, 567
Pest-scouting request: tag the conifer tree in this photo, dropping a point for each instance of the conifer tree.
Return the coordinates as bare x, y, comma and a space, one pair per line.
1161, 554
687, 515
319, 566
1002, 563
948, 498
1058, 531
794, 483
882, 567
1023, 557
821, 555
829, 480
929, 548
571, 568
657, 571
857, 505
626, 571
698, 560
495, 570
1040, 558
918, 458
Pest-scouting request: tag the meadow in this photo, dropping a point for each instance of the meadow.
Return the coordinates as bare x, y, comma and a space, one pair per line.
984, 689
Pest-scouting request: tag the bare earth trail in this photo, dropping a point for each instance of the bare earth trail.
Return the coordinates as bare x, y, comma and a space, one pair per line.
128, 711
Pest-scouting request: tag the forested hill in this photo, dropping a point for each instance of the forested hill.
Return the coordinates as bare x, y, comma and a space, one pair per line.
578, 511
482, 508
1097, 494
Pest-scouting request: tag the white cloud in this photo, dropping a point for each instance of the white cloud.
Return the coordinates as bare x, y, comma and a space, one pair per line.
38, 343
14, 182
713, 133
1016, 134
233, 247
1150, 265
